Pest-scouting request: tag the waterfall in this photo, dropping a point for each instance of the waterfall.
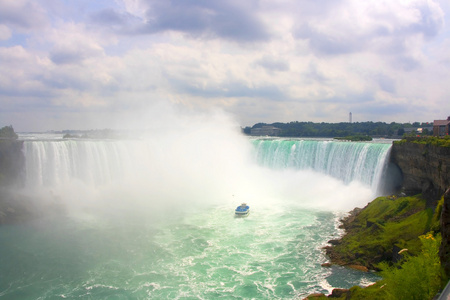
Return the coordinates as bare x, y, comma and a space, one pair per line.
54, 162
195, 165
347, 161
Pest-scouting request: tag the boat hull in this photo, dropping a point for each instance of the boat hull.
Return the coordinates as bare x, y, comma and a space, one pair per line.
242, 211
241, 214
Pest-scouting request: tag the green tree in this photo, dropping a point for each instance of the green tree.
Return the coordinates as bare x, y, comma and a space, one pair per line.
7, 132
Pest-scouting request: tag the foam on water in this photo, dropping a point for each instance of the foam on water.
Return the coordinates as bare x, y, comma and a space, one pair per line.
272, 254
153, 217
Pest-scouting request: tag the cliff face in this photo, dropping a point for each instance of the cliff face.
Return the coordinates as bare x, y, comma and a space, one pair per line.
12, 161
425, 169
16, 207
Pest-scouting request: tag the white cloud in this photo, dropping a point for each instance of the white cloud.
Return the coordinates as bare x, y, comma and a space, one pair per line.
24, 15
20, 70
134, 7
72, 43
5, 32
291, 60
371, 26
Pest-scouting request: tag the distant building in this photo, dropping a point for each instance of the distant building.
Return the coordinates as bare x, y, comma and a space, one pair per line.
266, 130
410, 130
441, 127
426, 130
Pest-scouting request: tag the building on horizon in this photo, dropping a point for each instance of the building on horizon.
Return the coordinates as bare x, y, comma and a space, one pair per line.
441, 127
265, 130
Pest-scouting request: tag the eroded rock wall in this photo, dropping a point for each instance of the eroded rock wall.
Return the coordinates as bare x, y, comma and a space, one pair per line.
12, 161
425, 169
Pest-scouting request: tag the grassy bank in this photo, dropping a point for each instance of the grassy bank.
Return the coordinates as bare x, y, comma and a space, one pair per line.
384, 227
399, 237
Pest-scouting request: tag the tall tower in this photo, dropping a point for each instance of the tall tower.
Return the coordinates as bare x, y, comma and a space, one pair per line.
350, 117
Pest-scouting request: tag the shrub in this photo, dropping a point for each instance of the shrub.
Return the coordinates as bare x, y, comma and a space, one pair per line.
8, 133
431, 140
418, 277
355, 138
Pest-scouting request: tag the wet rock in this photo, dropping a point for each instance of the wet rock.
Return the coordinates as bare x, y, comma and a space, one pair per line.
338, 293
347, 221
315, 296
359, 268
334, 242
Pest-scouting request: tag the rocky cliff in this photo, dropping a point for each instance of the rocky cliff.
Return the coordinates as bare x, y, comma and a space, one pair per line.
12, 161
425, 169
11, 166
16, 207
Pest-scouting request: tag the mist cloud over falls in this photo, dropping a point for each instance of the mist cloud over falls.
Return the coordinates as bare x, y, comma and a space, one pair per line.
198, 161
193, 160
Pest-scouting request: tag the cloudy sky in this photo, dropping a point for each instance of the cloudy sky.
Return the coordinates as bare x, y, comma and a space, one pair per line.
87, 64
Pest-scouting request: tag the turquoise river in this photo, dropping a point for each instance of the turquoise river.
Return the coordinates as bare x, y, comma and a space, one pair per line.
154, 218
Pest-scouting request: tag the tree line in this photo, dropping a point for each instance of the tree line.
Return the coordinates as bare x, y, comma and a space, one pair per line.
7, 132
310, 129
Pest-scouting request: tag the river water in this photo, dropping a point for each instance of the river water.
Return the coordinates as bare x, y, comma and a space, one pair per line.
146, 219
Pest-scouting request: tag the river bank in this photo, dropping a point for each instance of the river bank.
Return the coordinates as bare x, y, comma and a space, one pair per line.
384, 227
391, 230
385, 234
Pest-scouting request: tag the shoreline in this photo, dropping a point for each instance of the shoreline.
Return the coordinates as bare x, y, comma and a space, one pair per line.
372, 241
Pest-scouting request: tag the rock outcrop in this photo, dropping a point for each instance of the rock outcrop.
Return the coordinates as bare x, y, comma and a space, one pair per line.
12, 161
425, 169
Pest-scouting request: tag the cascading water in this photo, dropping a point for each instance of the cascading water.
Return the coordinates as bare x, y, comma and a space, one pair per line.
51, 163
347, 161
153, 218
102, 162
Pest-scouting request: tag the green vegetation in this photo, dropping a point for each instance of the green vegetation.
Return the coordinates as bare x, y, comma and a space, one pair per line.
396, 236
416, 277
344, 129
419, 277
7, 132
355, 138
430, 140
386, 224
